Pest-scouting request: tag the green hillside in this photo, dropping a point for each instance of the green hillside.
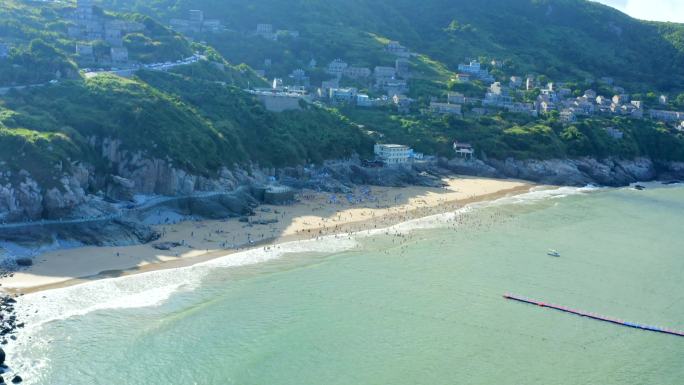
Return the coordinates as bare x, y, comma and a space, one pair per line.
563, 39
199, 125
42, 48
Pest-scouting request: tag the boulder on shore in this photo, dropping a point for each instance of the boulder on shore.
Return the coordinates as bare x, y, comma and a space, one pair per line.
24, 262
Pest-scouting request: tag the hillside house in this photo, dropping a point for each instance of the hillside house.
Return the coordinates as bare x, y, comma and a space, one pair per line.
4, 50
464, 150
384, 73
547, 106
663, 100
356, 72
445, 108
666, 116
196, 16
529, 84
475, 69
392, 154
522, 108
363, 100
402, 68
265, 31
567, 116
336, 67
590, 94
515, 82
455, 98
119, 55
620, 99
403, 103
343, 95
299, 77
397, 49
395, 87
85, 53
463, 78
326, 85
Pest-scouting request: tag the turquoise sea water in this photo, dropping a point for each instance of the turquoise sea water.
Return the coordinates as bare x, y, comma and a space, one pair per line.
421, 307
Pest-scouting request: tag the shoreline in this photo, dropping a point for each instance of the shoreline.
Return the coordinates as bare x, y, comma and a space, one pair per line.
314, 216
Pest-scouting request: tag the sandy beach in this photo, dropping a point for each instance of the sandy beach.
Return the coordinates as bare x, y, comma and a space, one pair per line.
316, 214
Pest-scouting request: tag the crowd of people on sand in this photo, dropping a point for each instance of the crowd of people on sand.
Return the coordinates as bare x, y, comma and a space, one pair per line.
345, 214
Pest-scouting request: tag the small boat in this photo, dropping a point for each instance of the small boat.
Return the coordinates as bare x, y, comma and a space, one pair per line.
553, 253
639, 187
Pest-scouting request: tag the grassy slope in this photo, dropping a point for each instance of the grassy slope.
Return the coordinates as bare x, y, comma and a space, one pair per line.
564, 39
200, 122
38, 34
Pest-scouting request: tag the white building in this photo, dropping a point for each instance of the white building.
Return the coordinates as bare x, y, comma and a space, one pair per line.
343, 95
393, 154
464, 150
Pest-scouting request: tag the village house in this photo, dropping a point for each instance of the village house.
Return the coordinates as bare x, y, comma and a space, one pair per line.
84, 52
529, 83
567, 116
363, 100
603, 101
384, 73
265, 31
463, 78
445, 108
515, 82
326, 85
336, 67
397, 49
666, 116
403, 103
546, 106
620, 99
392, 154
464, 150
582, 106
343, 95
356, 72
402, 67
396, 87
590, 94
680, 127
663, 100
475, 69
280, 99
196, 23
119, 55
299, 77
455, 98
522, 108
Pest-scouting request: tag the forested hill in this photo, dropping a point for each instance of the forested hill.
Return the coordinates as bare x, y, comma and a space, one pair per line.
563, 39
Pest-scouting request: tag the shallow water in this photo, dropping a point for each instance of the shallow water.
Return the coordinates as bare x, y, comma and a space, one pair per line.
421, 307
